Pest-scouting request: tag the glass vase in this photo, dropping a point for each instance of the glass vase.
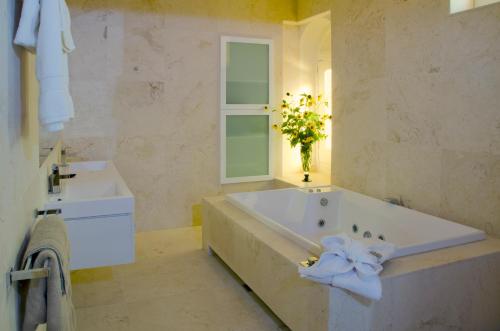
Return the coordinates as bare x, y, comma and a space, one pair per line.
306, 159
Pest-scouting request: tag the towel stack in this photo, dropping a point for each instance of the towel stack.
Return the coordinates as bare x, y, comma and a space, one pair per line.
44, 28
351, 265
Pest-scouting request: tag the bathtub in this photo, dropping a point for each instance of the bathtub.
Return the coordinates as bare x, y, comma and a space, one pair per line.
307, 215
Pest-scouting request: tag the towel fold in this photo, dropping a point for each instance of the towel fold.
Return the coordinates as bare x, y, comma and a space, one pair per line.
49, 299
27, 31
67, 37
351, 265
46, 27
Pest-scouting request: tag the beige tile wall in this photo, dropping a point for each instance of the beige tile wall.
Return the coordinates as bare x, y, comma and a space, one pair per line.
23, 184
417, 104
145, 82
415, 99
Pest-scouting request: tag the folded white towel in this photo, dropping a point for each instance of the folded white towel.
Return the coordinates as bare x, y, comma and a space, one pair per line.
46, 25
350, 264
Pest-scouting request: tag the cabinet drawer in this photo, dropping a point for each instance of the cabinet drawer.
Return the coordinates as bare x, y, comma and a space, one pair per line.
101, 241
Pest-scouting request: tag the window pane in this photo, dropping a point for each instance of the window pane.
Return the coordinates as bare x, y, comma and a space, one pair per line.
247, 73
247, 145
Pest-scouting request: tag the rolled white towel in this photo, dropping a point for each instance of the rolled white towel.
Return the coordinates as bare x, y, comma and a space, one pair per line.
351, 265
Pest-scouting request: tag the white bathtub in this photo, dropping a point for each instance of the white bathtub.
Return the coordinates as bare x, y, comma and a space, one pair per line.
299, 214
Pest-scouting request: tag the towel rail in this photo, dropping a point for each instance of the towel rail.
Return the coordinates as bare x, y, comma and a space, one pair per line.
45, 212
28, 273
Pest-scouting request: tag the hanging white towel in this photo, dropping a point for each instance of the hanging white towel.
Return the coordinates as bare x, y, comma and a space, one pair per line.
28, 25
350, 264
46, 26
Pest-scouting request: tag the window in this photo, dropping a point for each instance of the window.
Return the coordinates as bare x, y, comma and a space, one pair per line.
457, 6
246, 88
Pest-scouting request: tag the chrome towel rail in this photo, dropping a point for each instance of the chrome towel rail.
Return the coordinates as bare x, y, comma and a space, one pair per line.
28, 273
46, 212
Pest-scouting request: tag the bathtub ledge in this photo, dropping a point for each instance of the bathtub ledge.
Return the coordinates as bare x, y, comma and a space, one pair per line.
453, 286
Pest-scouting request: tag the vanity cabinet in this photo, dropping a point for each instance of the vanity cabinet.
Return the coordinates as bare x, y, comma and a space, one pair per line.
101, 241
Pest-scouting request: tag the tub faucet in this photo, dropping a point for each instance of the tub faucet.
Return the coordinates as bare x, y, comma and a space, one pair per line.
55, 179
396, 201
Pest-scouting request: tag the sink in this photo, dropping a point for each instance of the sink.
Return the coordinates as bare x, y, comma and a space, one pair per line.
90, 190
88, 166
98, 189
98, 210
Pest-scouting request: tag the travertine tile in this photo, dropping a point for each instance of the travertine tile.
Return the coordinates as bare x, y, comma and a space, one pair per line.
148, 81
173, 285
103, 318
414, 173
172, 242
470, 180
364, 170
97, 293
161, 277
438, 76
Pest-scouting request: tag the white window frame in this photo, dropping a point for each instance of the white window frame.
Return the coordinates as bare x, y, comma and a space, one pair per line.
244, 109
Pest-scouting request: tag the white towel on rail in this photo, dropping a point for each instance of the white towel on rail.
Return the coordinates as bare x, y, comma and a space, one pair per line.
45, 25
351, 265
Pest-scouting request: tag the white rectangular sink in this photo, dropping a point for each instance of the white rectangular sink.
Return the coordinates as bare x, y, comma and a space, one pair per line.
88, 166
97, 190
98, 209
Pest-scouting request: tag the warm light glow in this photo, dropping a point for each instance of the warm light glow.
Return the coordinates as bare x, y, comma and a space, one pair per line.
460, 5
305, 89
327, 78
457, 6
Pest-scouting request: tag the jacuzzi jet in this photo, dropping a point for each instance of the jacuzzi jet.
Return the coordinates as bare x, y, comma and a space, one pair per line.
354, 228
381, 237
323, 202
367, 234
321, 223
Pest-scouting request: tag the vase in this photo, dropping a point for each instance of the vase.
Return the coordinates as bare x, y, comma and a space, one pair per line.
306, 158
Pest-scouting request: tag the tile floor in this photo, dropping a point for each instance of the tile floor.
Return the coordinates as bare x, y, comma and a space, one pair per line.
173, 285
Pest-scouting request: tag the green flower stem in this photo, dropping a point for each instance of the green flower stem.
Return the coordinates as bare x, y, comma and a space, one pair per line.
305, 156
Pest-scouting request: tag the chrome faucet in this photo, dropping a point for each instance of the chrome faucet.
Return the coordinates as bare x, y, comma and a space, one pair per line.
396, 201
55, 179
64, 155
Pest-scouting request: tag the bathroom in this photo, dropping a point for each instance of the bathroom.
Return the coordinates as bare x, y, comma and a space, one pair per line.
412, 87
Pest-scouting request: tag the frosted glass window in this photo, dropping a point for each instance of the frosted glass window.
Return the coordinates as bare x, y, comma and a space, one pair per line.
247, 145
247, 73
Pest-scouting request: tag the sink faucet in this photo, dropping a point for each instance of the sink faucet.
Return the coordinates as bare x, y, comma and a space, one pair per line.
55, 179
396, 201
64, 155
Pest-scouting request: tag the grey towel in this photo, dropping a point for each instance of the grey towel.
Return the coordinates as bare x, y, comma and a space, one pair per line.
49, 299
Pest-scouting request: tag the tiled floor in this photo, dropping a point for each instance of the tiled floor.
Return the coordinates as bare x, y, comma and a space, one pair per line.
174, 285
